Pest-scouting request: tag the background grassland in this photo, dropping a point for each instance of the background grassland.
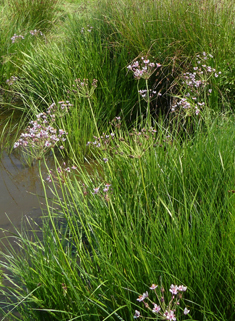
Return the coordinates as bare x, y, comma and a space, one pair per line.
169, 212
168, 32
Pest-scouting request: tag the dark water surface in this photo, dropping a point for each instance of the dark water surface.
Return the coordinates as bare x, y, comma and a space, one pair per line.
21, 191
21, 194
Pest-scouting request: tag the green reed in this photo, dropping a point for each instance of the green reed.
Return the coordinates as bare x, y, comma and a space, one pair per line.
154, 203
150, 206
94, 45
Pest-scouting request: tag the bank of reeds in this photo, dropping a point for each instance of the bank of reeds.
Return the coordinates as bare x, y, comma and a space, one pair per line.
144, 81
102, 41
151, 207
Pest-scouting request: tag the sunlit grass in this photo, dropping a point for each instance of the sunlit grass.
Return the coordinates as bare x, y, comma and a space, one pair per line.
168, 213
155, 200
168, 33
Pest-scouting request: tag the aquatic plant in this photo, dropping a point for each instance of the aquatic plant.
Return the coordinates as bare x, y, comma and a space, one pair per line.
196, 87
152, 201
16, 38
40, 136
161, 309
148, 205
40, 14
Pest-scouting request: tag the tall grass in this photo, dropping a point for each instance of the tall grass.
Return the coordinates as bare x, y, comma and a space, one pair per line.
18, 37
156, 203
102, 41
19, 18
10, 125
172, 32
169, 213
41, 13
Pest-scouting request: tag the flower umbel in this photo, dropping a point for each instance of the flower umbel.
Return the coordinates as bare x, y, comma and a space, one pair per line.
83, 88
195, 85
40, 135
143, 69
162, 310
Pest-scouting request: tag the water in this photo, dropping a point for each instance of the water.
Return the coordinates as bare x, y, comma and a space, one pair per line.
19, 184
21, 191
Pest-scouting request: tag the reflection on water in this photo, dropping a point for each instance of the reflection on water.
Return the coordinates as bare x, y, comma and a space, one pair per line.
21, 194
21, 191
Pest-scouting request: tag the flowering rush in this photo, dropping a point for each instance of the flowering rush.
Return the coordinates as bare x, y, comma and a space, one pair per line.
143, 68
62, 172
16, 37
40, 134
83, 88
36, 32
196, 84
11, 80
161, 309
106, 189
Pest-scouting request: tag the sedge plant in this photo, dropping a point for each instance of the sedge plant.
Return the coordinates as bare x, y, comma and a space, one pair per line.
150, 205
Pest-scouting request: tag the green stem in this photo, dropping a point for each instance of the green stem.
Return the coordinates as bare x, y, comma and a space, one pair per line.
148, 116
145, 192
95, 122
139, 104
53, 223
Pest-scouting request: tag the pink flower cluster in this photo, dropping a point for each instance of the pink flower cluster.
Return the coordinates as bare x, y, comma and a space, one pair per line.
11, 80
102, 141
165, 312
36, 32
16, 37
195, 84
174, 289
143, 69
106, 194
186, 104
105, 189
89, 29
144, 93
40, 134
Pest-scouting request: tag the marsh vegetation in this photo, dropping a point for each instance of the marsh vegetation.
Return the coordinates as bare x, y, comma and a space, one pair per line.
138, 98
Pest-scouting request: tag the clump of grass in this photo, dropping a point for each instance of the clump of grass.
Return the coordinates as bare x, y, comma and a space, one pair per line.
150, 206
22, 25
41, 13
100, 46
156, 201
16, 42
11, 122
